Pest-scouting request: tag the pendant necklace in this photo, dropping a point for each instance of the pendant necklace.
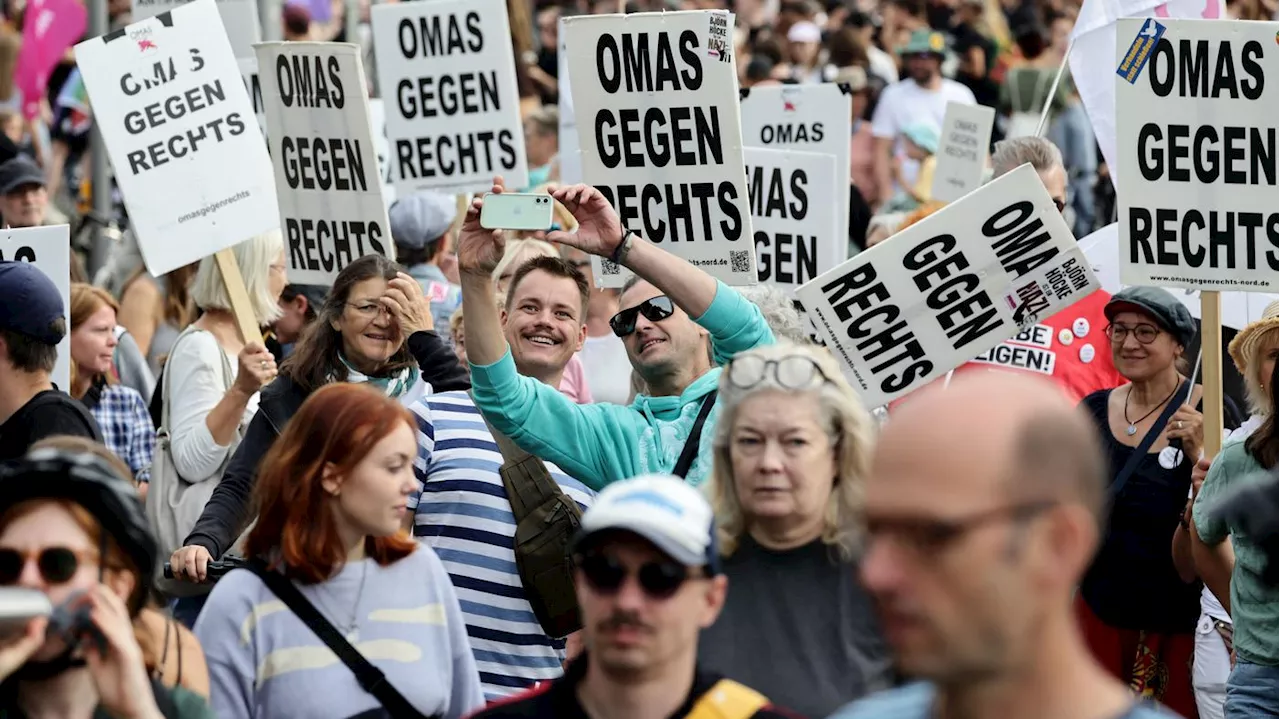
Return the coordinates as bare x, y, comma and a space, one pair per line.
347, 630
1132, 429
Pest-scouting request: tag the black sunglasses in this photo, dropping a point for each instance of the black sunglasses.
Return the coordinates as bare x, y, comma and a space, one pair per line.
656, 309
57, 565
659, 580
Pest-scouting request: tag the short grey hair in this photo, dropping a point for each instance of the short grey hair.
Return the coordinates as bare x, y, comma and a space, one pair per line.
255, 257
779, 312
1015, 152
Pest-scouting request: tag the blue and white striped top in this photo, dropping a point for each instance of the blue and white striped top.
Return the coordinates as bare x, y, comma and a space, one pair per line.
464, 515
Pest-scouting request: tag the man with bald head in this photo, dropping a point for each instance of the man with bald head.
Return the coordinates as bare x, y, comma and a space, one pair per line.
974, 549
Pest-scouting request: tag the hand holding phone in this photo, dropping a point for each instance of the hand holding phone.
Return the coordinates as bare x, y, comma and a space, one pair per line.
517, 211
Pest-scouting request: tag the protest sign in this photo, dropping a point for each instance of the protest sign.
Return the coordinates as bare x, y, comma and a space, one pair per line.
448, 79
949, 287
378, 117
49, 28
253, 86
660, 137
810, 118
239, 19
1197, 109
962, 151
326, 163
795, 232
49, 249
178, 125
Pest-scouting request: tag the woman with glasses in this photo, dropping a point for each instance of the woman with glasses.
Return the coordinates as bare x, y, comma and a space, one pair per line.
1137, 611
791, 452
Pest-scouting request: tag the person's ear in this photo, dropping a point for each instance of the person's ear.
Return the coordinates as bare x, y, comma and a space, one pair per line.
330, 480
120, 583
713, 600
1069, 542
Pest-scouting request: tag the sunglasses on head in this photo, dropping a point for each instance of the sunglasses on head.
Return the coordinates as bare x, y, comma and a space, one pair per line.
656, 309
57, 565
658, 580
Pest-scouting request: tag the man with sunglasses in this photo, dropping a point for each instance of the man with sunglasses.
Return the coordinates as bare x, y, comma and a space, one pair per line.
675, 319
977, 533
648, 581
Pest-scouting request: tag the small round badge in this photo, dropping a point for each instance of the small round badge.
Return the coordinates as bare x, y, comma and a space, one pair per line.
1170, 457
1065, 337
1086, 353
1080, 327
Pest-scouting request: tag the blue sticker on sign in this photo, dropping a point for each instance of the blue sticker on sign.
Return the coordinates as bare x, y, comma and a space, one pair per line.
1140, 51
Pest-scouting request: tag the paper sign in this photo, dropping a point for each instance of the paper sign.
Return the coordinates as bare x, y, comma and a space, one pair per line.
1196, 134
239, 18
378, 116
949, 288
170, 102
49, 28
795, 232
326, 163
962, 150
810, 118
49, 249
253, 86
448, 81
656, 96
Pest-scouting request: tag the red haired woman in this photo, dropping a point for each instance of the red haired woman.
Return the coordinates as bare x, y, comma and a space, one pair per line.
332, 496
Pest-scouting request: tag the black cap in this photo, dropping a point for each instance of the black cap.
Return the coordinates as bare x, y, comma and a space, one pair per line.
18, 172
29, 302
1161, 305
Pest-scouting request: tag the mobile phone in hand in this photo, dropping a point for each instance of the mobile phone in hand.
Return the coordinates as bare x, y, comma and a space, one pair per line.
517, 211
18, 607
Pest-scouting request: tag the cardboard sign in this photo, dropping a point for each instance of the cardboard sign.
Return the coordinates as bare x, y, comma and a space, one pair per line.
570, 156
795, 232
810, 118
49, 28
253, 86
449, 83
949, 288
656, 96
962, 150
1196, 132
170, 102
378, 116
239, 18
49, 249
326, 163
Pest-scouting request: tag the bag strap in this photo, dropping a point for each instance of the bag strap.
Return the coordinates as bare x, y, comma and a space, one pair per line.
524, 496
690, 451
371, 678
1141, 450
727, 699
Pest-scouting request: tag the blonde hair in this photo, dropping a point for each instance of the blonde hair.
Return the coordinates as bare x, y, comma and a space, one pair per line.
525, 250
847, 424
255, 257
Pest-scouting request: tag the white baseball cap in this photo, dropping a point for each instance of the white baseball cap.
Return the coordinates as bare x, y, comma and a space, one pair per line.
662, 509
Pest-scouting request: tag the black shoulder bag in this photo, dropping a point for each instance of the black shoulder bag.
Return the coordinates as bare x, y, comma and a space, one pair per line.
1149, 439
690, 451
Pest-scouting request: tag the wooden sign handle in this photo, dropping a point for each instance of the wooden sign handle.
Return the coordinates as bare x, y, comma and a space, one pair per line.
241, 307
1211, 370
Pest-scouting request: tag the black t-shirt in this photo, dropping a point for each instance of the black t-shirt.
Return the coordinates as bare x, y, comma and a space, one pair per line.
48, 414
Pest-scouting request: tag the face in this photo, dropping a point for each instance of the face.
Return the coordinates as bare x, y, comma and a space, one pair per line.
804, 53
922, 68
544, 322
784, 463
278, 276
629, 631
290, 325
1268, 364
373, 499
1055, 181
547, 28
540, 147
369, 335
858, 105
1135, 360
93, 343
25, 206
657, 348
459, 338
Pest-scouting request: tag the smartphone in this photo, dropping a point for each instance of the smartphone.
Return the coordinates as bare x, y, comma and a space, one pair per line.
18, 607
517, 211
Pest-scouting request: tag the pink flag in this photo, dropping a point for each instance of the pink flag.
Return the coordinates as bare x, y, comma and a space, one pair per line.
51, 26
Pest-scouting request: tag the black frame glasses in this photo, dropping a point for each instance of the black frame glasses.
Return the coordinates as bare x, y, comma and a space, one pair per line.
1117, 333
654, 309
57, 565
795, 372
929, 537
658, 580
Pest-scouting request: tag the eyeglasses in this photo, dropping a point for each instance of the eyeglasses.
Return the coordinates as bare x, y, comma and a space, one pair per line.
656, 309
794, 372
659, 580
368, 310
930, 537
1145, 334
57, 565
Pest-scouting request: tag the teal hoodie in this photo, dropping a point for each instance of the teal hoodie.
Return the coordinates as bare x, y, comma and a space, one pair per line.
602, 443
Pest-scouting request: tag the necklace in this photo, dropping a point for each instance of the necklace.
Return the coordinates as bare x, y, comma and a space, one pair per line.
347, 629
1132, 429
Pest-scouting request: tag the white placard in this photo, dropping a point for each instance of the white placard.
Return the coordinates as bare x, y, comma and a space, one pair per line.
809, 118
179, 128
448, 81
378, 118
570, 157
795, 232
657, 96
239, 19
962, 150
1197, 109
253, 86
326, 162
49, 249
949, 287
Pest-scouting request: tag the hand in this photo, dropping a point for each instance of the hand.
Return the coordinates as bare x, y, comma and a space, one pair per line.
599, 229
190, 563
573, 646
406, 303
480, 249
118, 671
1198, 473
15, 651
257, 368
1187, 425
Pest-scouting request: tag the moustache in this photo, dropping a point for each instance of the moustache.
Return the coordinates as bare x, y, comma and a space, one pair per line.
622, 620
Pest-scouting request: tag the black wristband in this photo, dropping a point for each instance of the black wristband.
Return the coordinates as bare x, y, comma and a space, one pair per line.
624, 245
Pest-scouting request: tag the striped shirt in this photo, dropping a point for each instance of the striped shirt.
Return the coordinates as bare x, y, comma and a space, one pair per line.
464, 515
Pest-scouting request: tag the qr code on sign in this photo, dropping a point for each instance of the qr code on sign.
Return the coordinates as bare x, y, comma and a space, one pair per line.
609, 267
740, 261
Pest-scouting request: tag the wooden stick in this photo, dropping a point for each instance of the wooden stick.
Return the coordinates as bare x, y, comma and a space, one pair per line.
241, 307
1211, 351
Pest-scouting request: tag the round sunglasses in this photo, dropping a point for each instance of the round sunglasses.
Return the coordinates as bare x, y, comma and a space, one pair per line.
57, 565
658, 580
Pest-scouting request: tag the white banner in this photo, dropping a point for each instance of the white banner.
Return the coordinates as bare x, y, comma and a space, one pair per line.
49, 249
448, 80
325, 158
810, 118
949, 288
656, 95
179, 128
1197, 108
378, 118
795, 232
962, 151
239, 19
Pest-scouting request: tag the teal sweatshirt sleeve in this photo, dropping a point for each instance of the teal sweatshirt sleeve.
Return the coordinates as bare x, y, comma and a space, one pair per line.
735, 323
594, 443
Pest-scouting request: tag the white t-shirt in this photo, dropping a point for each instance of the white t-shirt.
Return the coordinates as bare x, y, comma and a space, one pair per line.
196, 384
905, 103
608, 370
